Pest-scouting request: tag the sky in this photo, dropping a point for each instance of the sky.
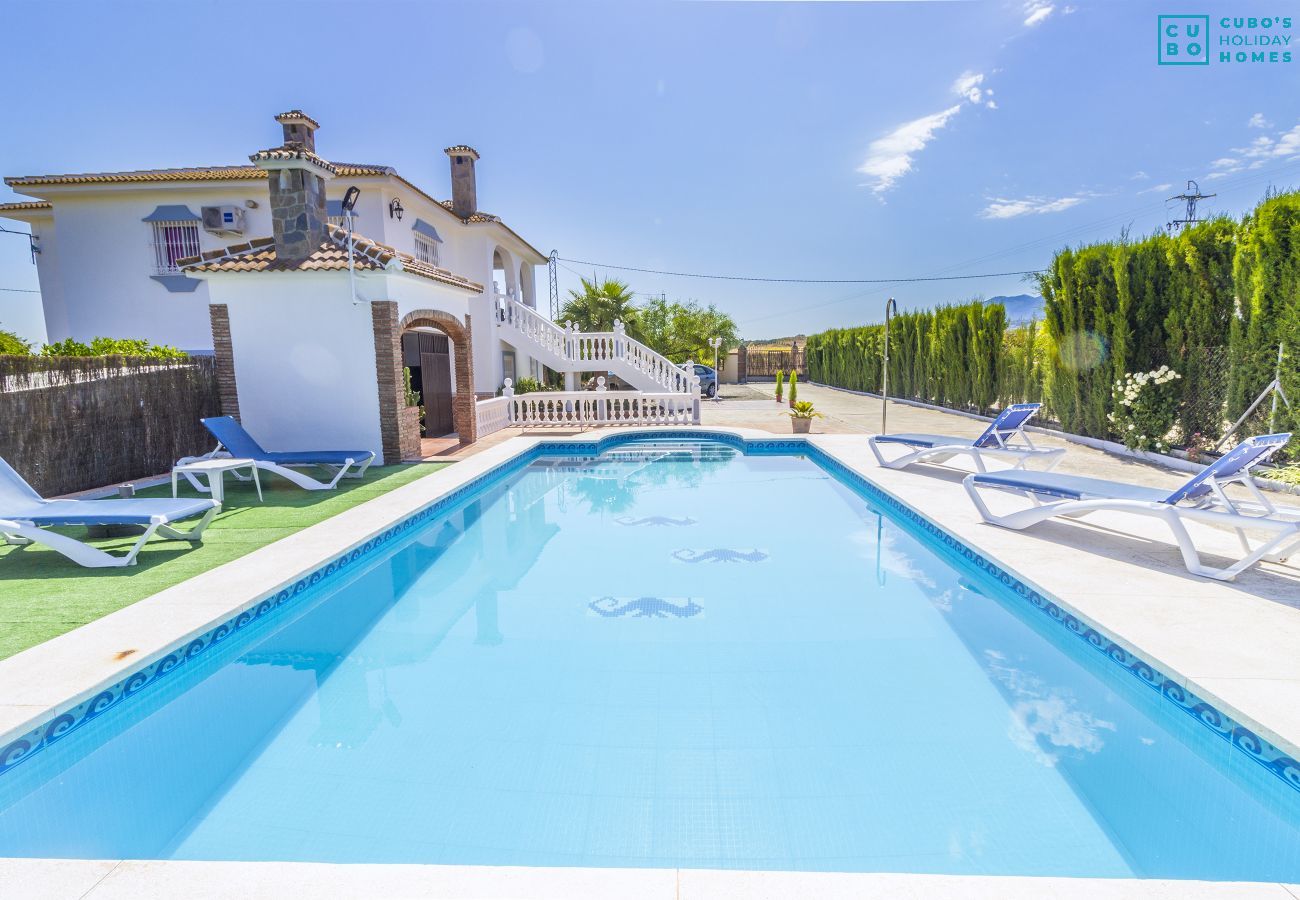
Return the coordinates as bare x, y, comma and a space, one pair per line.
771, 140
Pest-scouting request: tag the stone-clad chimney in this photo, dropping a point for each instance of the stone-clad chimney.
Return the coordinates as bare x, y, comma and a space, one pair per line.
296, 177
464, 193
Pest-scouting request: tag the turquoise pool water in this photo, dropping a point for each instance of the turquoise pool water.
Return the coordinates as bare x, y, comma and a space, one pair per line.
670, 655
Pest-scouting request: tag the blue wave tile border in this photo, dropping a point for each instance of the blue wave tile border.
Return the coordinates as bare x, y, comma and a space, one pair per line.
1274, 760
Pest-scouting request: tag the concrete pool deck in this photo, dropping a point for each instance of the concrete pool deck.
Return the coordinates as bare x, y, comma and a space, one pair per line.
1234, 643
134, 879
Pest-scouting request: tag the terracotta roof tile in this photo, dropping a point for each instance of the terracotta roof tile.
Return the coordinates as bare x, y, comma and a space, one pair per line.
296, 115
294, 151
258, 255
461, 150
199, 173
26, 206
475, 218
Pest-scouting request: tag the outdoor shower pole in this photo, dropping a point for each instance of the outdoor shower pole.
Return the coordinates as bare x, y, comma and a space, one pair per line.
1277, 380
891, 307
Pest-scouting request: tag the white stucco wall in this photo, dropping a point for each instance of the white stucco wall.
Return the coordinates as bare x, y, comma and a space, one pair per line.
304, 360
98, 256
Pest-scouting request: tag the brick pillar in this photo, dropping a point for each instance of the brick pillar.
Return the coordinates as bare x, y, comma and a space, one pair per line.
224, 351
742, 360
388, 376
464, 414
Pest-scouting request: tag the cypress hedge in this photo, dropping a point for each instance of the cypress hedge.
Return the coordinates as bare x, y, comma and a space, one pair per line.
1212, 302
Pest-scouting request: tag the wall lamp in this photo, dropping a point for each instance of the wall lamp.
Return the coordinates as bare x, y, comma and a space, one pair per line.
395, 209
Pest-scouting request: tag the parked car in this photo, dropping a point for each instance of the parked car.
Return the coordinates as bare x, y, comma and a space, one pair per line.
708, 380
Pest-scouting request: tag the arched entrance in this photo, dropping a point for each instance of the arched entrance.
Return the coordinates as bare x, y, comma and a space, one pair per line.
426, 355
463, 415
399, 428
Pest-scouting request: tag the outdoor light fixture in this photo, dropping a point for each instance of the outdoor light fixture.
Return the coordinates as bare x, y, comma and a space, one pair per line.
395, 209
349, 203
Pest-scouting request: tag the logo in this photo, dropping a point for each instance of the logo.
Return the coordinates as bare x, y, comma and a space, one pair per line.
1184, 40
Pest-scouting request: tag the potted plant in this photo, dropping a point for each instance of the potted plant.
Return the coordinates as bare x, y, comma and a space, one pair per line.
794, 387
801, 416
779, 378
409, 417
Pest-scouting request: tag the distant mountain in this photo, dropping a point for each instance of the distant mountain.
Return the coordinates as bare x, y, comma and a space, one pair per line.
1021, 307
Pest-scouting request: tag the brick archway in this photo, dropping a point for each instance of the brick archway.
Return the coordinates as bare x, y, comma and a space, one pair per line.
400, 434
463, 414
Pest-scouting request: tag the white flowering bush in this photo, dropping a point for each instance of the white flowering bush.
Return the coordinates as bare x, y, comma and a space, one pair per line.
1145, 408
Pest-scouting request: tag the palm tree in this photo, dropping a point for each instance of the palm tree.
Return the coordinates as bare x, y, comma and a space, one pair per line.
599, 304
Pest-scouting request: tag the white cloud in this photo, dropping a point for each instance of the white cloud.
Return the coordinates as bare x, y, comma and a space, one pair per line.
889, 158
969, 86
1258, 121
1258, 153
1156, 188
1037, 11
1006, 208
1139, 176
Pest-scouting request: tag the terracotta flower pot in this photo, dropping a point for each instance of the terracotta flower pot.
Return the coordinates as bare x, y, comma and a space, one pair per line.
800, 426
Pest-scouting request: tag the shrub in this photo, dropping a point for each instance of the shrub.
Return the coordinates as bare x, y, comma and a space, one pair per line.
794, 386
529, 386
1145, 409
102, 346
779, 376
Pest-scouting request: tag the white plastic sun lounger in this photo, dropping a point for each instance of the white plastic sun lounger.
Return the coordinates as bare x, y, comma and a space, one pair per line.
1005, 438
25, 515
1201, 499
234, 440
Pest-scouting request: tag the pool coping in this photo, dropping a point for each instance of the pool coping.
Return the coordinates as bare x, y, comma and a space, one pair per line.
42, 684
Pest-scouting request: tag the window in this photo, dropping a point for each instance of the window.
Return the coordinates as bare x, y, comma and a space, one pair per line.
173, 241
426, 250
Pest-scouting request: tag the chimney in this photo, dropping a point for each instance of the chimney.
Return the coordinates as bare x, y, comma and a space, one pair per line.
296, 177
464, 193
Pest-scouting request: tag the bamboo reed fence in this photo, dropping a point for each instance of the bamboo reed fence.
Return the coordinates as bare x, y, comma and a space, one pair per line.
72, 423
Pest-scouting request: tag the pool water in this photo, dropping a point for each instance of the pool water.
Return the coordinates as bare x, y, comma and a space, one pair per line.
673, 655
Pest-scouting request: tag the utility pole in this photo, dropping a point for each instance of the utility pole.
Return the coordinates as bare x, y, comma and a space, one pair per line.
551, 265
1191, 197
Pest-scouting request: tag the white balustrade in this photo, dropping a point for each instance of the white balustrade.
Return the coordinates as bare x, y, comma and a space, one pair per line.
584, 408
493, 415
603, 349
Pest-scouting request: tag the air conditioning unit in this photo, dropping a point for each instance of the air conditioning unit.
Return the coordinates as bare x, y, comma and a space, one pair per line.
223, 219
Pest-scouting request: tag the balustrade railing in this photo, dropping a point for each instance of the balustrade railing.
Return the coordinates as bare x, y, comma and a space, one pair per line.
584, 408
604, 349
493, 415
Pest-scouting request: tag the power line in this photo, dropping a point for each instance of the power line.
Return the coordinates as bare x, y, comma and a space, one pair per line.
583, 262
21, 290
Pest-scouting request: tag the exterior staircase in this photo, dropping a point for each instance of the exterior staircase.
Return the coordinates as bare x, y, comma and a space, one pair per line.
566, 350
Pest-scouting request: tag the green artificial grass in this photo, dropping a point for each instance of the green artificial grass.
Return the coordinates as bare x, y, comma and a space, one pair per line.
44, 594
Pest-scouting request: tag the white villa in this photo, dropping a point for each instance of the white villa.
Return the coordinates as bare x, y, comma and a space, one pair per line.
311, 326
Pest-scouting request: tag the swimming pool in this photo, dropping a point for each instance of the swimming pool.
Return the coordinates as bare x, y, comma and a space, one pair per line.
668, 654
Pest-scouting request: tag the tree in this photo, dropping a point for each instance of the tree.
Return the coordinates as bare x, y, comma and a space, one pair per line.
681, 331
599, 304
12, 344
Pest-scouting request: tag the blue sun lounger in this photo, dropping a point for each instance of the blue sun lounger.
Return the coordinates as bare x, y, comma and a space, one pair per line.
1201, 499
1005, 438
235, 441
25, 514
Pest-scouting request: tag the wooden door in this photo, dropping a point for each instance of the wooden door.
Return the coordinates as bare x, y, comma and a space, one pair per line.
435, 377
